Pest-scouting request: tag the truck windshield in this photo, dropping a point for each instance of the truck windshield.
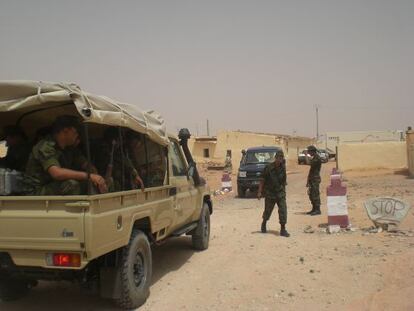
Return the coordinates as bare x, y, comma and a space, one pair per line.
259, 157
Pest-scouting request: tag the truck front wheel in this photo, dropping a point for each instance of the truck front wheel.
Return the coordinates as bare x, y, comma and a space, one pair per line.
201, 235
136, 271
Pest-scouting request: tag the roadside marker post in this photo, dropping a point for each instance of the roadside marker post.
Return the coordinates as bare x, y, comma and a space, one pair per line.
226, 182
337, 201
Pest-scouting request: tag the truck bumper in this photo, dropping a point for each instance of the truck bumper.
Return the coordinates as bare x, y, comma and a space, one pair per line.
248, 183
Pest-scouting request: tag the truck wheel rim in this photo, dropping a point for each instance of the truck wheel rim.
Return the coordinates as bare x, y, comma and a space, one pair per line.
139, 270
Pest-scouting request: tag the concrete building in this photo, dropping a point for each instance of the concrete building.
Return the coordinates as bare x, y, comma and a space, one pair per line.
333, 139
233, 142
410, 151
203, 147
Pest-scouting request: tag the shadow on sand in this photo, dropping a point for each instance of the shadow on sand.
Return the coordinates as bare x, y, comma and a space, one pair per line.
62, 296
274, 232
249, 195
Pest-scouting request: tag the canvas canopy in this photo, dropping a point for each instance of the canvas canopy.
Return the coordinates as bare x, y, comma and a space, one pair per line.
21, 98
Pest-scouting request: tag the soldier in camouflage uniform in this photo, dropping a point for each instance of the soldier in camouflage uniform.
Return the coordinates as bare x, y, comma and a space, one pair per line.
314, 180
274, 186
120, 158
56, 166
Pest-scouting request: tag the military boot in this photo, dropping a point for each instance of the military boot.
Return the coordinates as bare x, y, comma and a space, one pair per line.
283, 231
316, 212
311, 211
264, 230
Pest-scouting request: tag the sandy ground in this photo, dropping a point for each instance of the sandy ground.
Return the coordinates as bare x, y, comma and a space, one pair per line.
244, 269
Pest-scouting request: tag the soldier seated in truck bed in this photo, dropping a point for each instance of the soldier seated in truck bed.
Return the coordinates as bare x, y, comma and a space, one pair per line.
18, 149
56, 166
114, 163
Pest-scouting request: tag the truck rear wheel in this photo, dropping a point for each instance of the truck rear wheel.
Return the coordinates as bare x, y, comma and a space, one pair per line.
201, 235
136, 271
12, 288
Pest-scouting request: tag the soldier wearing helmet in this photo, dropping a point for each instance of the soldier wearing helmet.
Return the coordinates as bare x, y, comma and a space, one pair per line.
274, 186
314, 180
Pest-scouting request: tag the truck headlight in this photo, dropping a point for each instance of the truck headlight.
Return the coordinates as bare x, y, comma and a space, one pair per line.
242, 174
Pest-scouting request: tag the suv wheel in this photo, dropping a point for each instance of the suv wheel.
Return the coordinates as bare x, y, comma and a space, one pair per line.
12, 288
135, 270
241, 192
201, 235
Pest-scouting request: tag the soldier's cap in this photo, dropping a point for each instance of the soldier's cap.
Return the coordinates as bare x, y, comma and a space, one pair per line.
280, 153
13, 131
312, 148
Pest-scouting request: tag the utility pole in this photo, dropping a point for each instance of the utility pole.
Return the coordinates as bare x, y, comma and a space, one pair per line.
208, 128
317, 123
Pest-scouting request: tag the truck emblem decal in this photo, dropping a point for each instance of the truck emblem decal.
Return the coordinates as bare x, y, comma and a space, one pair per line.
67, 234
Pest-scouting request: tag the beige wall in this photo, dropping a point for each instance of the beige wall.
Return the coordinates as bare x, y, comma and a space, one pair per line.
410, 151
372, 155
198, 149
237, 141
335, 138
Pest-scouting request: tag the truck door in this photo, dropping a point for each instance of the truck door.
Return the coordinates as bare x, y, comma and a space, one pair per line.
183, 201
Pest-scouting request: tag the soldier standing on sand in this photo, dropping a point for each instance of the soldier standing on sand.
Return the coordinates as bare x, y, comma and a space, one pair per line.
314, 179
274, 186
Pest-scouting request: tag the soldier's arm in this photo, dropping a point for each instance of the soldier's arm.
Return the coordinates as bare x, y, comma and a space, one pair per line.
130, 167
84, 166
82, 162
259, 192
261, 185
60, 173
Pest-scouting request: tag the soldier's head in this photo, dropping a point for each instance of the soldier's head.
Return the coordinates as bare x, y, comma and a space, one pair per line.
133, 139
66, 130
14, 135
279, 157
311, 150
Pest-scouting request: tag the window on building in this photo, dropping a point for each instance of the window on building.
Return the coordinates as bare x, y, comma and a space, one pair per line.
206, 153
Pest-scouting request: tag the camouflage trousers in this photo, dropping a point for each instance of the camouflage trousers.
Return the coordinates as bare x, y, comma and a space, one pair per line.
67, 187
313, 192
281, 205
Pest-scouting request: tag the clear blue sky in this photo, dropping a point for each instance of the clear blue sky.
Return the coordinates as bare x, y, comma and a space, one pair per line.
249, 65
